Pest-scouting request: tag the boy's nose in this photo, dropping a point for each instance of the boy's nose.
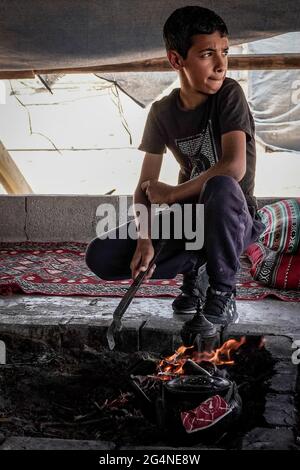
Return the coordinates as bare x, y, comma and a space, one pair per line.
220, 64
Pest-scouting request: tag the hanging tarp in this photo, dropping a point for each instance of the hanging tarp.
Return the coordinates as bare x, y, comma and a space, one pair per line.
47, 34
274, 96
142, 87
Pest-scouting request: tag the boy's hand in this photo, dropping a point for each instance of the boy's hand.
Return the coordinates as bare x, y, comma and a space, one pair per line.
143, 255
158, 192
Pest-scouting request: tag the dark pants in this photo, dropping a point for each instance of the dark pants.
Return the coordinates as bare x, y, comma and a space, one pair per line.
228, 229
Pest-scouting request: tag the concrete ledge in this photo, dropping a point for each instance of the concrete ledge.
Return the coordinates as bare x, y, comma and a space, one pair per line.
280, 410
269, 439
285, 378
148, 324
157, 337
280, 347
160, 335
253, 329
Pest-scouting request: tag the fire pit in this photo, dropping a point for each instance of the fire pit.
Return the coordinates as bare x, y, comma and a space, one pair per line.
138, 398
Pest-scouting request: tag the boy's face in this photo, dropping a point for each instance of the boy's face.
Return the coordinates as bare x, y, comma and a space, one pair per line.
205, 66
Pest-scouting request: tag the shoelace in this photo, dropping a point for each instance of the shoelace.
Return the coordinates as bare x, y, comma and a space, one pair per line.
216, 302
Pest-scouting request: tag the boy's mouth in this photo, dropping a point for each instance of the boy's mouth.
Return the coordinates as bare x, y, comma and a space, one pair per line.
217, 79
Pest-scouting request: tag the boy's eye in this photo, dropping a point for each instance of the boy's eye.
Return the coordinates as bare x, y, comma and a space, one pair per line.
209, 54
206, 54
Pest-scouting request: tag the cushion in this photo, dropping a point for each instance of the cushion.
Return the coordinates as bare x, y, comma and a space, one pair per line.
282, 222
274, 269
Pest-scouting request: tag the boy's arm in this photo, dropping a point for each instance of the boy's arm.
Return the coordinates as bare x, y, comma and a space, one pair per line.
150, 171
144, 251
232, 163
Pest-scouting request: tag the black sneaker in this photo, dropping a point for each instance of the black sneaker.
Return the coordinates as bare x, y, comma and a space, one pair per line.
220, 307
193, 293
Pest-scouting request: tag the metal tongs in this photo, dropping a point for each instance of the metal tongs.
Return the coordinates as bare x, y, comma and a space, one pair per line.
116, 324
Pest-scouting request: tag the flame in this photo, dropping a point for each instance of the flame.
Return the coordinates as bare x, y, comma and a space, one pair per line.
221, 355
173, 365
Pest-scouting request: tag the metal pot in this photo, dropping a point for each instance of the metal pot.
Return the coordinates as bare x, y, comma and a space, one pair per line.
186, 393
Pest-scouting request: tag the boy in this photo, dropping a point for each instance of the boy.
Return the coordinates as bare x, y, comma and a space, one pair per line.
207, 125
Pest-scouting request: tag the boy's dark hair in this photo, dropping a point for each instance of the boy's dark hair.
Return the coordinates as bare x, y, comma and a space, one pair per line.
185, 22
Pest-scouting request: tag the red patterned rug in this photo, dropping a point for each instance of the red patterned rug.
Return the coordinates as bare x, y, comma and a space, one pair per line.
59, 269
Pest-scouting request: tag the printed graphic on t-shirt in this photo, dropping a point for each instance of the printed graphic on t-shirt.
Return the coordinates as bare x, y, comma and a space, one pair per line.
199, 149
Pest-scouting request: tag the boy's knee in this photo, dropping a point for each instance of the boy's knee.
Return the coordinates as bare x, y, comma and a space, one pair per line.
223, 193
92, 254
221, 184
220, 188
100, 259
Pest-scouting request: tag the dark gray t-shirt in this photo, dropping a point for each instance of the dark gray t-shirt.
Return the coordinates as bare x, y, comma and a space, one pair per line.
194, 136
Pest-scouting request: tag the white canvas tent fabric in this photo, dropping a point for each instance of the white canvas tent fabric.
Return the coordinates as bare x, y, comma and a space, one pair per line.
40, 34
142, 87
274, 96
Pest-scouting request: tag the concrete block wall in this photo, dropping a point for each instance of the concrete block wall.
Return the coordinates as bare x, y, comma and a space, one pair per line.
12, 218
60, 217
53, 218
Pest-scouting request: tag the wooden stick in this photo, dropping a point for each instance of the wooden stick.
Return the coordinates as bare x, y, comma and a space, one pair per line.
235, 62
264, 62
16, 74
11, 177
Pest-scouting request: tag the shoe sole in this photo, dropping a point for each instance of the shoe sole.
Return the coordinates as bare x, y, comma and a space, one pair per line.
213, 320
184, 312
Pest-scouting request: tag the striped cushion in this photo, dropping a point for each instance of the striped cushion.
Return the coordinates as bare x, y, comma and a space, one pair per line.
273, 269
282, 222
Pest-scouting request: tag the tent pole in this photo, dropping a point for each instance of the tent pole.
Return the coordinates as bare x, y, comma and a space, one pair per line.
161, 64
11, 177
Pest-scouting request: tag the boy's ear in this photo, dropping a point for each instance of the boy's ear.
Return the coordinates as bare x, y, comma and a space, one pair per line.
175, 59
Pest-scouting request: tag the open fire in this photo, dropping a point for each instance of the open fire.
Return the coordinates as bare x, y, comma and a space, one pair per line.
174, 365
192, 394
